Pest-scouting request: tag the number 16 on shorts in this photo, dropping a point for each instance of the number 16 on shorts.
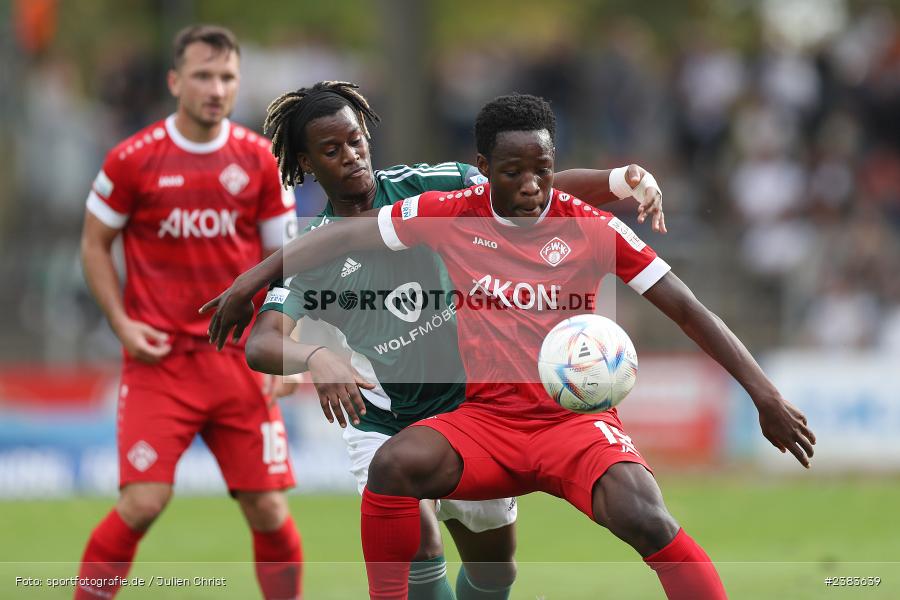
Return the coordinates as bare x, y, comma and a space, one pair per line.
275, 446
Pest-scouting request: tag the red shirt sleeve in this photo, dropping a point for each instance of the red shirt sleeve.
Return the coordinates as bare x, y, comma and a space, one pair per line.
274, 200
112, 198
416, 220
636, 263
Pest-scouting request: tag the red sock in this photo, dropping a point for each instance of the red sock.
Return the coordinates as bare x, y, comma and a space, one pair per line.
107, 557
390, 538
279, 561
686, 571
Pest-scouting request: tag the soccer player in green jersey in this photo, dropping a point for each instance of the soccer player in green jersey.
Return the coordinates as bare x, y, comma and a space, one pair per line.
389, 380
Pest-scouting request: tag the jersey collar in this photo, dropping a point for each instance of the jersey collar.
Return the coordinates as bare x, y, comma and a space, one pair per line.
198, 147
508, 222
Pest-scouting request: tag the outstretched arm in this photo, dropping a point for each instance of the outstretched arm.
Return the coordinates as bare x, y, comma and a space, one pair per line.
234, 306
270, 349
600, 187
782, 424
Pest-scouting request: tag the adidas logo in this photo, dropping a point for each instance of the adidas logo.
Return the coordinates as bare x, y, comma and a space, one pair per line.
585, 351
350, 266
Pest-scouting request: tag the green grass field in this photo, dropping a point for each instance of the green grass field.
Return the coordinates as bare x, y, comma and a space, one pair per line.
777, 539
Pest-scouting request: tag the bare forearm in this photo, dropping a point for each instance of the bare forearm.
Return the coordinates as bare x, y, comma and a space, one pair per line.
103, 281
590, 185
677, 302
718, 341
273, 353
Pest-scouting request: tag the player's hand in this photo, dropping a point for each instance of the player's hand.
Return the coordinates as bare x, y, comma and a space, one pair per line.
142, 342
234, 310
786, 428
648, 196
337, 384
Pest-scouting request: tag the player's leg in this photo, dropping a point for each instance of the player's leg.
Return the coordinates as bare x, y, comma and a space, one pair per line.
247, 436
276, 543
415, 464
140, 503
435, 458
428, 571
489, 566
154, 429
627, 500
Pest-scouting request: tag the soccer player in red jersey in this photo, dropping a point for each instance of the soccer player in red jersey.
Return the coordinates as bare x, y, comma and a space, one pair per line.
322, 130
509, 437
197, 199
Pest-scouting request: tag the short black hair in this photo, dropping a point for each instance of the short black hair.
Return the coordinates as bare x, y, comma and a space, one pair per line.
515, 112
287, 117
216, 36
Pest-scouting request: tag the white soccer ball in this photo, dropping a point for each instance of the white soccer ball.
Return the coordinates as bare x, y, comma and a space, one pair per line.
587, 364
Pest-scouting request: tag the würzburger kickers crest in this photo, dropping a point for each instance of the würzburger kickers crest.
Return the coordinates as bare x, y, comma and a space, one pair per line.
555, 251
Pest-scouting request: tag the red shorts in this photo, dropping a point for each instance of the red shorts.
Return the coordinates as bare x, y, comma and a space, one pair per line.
163, 406
505, 456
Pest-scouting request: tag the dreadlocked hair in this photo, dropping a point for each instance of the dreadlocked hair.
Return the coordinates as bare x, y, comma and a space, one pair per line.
286, 122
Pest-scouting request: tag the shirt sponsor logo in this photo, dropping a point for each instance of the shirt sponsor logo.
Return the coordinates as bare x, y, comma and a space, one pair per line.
555, 251
627, 234
234, 179
276, 296
142, 456
406, 301
518, 294
478, 241
171, 181
206, 223
409, 208
420, 331
350, 266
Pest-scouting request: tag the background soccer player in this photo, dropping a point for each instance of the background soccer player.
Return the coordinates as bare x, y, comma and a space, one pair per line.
509, 437
323, 131
197, 200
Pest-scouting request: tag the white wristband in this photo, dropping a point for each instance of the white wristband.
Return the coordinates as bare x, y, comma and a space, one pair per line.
648, 182
617, 183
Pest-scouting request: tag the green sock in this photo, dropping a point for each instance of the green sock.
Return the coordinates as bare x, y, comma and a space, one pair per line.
428, 580
466, 591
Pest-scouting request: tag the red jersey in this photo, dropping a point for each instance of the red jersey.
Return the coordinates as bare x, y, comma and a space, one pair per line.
193, 216
514, 283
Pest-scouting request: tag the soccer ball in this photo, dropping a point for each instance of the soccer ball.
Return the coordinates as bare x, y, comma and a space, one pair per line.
587, 364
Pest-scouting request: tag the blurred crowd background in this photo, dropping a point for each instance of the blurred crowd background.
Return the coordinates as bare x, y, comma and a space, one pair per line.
773, 127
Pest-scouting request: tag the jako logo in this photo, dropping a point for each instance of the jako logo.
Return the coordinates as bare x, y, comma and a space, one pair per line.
171, 181
483, 242
406, 301
206, 223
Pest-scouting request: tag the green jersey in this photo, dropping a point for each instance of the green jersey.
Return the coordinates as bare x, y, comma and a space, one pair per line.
391, 310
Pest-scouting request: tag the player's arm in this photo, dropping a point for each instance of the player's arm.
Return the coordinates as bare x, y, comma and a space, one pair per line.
234, 307
782, 424
140, 340
271, 349
600, 187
